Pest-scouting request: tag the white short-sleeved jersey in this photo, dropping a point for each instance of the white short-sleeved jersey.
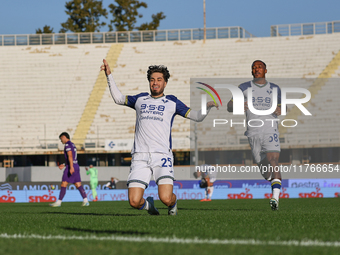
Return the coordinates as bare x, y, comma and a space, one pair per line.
262, 100
154, 118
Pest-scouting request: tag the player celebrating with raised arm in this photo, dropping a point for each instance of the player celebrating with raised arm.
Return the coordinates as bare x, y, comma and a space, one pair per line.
263, 137
151, 152
71, 172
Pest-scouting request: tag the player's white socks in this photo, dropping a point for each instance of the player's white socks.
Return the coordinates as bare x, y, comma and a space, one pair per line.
211, 190
146, 206
276, 188
58, 202
85, 200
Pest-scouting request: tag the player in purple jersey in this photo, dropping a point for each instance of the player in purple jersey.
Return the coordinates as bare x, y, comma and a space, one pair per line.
71, 170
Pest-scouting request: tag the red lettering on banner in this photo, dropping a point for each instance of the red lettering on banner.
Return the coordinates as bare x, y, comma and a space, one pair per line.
241, 195
312, 194
44, 198
8, 198
282, 194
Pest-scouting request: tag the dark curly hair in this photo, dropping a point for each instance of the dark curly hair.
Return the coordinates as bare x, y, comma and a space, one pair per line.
65, 134
158, 69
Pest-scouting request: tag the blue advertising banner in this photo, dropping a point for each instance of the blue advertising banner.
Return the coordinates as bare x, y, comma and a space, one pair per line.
37, 196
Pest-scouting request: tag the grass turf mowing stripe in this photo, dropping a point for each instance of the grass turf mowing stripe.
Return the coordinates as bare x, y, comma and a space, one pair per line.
175, 240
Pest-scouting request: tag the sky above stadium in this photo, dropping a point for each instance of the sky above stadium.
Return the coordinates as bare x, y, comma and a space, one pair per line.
24, 17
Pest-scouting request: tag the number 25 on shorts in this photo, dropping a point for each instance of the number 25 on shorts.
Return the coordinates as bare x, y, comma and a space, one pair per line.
166, 162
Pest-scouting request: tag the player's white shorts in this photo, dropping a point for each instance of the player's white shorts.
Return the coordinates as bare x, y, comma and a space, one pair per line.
144, 165
262, 143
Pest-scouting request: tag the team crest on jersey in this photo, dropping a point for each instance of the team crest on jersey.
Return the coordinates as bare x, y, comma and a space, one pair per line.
269, 92
165, 101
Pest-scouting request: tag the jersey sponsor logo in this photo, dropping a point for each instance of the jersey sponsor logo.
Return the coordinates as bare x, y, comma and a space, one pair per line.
157, 110
151, 118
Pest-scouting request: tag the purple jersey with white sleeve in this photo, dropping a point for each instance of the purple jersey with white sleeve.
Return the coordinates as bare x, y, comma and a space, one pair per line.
154, 118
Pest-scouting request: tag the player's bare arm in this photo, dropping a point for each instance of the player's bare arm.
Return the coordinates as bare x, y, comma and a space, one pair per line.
61, 166
70, 159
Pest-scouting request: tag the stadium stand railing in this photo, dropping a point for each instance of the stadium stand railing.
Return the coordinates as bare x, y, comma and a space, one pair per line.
305, 29
124, 37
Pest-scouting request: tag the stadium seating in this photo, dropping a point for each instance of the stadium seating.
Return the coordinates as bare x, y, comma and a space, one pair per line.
44, 89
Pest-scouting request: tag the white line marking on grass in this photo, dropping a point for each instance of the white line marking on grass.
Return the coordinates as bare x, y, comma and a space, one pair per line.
174, 240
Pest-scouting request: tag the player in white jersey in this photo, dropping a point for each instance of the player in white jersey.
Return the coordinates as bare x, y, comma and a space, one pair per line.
262, 130
151, 152
209, 173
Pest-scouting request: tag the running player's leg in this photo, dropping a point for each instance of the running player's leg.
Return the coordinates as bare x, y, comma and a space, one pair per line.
93, 185
64, 182
259, 156
82, 193
210, 192
205, 195
271, 145
75, 177
275, 179
61, 194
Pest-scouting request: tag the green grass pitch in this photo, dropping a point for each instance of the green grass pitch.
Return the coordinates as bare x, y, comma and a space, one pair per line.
301, 226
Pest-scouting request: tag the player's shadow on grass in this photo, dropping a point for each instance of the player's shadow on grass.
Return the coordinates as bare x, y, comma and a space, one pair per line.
92, 231
92, 214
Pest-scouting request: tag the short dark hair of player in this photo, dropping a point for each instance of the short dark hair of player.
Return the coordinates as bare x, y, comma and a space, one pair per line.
65, 134
158, 69
252, 65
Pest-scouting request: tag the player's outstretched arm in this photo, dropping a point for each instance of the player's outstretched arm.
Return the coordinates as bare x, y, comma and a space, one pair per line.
117, 96
198, 116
